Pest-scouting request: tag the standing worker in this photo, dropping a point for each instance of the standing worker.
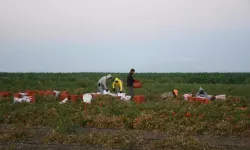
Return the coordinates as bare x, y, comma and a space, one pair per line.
130, 81
117, 85
102, 83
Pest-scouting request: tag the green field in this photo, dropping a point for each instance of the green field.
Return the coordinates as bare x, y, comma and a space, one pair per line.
236, 84
111, 123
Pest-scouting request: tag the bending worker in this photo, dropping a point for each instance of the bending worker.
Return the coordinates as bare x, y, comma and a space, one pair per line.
102, 83
201, 93
175, 93
117, 86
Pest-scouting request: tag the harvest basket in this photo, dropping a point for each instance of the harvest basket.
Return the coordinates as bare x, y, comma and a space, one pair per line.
138, 99
137, 84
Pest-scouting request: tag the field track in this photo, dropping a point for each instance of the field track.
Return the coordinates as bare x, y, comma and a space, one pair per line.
37, 134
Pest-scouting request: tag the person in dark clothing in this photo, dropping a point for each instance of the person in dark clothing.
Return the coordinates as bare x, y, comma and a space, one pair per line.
201, 93
130, 81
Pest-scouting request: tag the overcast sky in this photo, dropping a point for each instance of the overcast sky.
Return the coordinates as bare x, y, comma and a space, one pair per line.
117, 35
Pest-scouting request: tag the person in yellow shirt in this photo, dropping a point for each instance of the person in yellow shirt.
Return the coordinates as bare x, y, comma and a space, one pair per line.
118, 86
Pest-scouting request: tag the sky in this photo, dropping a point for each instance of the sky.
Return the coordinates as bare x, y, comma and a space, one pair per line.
117, 35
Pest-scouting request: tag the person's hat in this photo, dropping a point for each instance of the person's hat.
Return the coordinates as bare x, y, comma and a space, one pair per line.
175, 92
109, 76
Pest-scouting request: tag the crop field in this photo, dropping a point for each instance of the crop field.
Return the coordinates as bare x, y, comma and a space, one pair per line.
111, 123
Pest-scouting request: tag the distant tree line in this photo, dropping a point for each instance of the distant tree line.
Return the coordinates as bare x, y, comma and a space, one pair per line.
199, 78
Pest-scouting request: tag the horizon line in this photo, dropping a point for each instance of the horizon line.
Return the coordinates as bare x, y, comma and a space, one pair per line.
123, 72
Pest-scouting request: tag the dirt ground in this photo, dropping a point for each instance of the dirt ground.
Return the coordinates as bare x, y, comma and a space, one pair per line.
34, 137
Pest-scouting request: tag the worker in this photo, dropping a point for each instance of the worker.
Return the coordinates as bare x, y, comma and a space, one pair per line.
117, 86
201, 93
102, 83
175, 93
169, 95
130, 83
